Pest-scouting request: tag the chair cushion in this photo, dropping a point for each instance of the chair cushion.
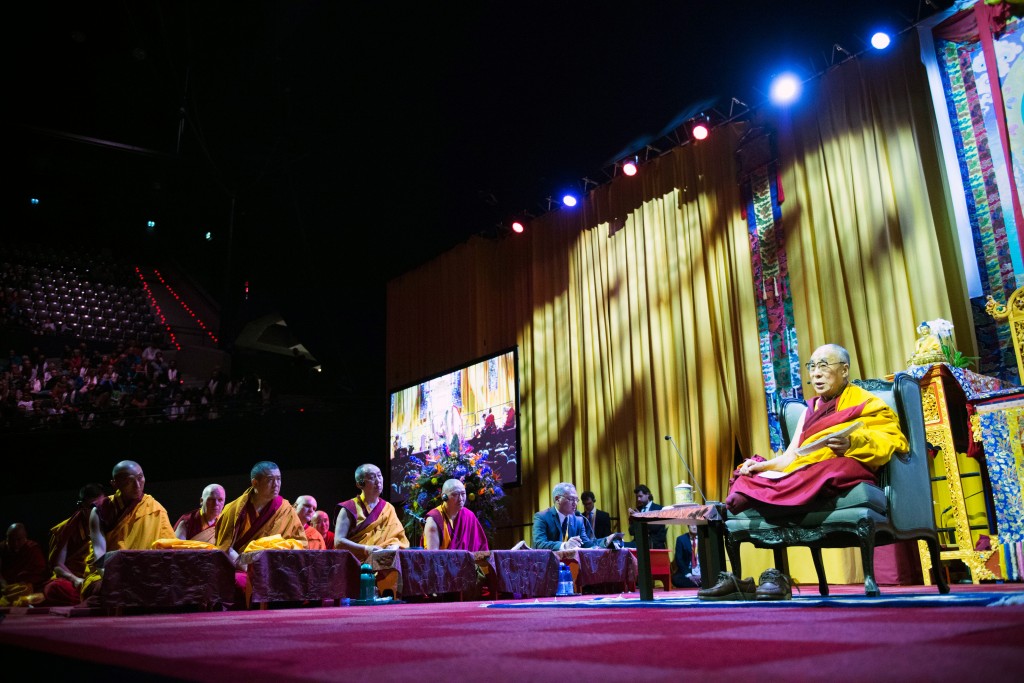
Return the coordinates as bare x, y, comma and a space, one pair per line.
863, 495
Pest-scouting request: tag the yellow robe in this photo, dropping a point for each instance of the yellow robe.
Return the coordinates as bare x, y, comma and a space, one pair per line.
873, 444
284, 522
136, 530
384, 531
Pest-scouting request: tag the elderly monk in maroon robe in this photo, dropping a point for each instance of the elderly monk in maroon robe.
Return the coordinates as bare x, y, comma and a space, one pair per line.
258, 513
128, 520
69, 548
201, 524
451, 525
842, 439
368, 523
305, 508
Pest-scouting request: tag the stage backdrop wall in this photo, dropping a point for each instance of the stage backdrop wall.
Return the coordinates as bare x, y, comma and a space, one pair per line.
635, 313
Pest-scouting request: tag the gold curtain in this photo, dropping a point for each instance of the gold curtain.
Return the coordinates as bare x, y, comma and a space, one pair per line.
635, 313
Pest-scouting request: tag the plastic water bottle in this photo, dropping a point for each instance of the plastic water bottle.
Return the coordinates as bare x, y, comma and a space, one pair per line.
565, 585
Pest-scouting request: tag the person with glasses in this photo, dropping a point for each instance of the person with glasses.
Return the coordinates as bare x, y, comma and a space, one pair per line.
560, 527
451, 525
841, 440
201, 524
844, 459
131, 519
368, 523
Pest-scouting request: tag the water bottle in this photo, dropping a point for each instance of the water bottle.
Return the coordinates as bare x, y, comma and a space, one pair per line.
367, 584
565, 585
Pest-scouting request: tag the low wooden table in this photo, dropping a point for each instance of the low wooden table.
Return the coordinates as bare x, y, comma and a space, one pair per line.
710, 521
300, 576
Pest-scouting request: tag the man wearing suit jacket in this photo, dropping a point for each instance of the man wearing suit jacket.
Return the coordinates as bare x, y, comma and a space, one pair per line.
657, 533
561, 528
685, 566
600, 521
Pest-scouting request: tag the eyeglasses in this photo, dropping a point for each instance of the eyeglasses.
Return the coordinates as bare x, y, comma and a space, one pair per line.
571, 499
820, 365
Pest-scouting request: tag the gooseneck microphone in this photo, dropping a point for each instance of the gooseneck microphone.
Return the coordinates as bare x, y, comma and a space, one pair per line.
688, 470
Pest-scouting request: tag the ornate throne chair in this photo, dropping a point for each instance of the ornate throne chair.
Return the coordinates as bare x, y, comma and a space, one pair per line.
1013, 313
899, 508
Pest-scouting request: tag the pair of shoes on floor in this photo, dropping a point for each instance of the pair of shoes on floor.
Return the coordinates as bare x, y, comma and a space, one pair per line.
728, 587
774, 585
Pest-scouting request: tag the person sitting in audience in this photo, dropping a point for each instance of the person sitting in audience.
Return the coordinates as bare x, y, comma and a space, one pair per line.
657, 533
843, 460
305, 508
258, 513
201, 524
129, 520
560, 527
22, 565
69, 548
685, 565
322, 523
451, 525
368, 523
599, 520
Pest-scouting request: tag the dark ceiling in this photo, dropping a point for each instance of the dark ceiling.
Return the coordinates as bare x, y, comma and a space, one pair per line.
330, 146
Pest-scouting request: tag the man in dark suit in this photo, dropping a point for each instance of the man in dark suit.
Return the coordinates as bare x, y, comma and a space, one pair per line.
685, 567
658, 533
600, 521
561, 528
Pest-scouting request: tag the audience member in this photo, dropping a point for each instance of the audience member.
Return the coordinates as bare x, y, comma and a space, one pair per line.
22, 565
657, 533
69, 548
368, 523
686, 567
560, 527
305, 508
451, 525
599, 520
845, 459
128, 520
201, 524
322, 523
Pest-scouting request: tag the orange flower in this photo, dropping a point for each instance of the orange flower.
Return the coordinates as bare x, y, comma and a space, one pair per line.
482, 491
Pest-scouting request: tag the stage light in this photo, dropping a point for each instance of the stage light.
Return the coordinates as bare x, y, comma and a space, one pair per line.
700, 130
785, 89
569, 199
629, 167
518, 227
880, 40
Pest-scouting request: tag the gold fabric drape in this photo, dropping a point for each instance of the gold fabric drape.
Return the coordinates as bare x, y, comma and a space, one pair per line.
635, 313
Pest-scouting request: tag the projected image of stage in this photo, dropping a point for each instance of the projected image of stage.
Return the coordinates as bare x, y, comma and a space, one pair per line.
470, 409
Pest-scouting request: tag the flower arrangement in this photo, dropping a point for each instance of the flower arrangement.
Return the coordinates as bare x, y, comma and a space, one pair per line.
424, 481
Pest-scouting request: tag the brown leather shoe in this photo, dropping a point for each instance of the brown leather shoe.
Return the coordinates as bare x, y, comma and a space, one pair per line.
774, 585
729, 587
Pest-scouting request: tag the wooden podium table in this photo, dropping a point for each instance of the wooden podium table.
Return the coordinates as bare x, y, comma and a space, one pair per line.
710, 521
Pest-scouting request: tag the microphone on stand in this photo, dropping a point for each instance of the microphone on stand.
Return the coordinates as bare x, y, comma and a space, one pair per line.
689, 471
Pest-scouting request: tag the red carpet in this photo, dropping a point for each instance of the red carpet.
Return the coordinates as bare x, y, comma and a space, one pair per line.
436, 641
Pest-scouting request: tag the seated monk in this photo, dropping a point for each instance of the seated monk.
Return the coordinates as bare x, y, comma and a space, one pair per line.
69, 547
839, 464
451, 525
259, 512
22, 567
201, 524
128, 520
368, 523
322, 522
305, 508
